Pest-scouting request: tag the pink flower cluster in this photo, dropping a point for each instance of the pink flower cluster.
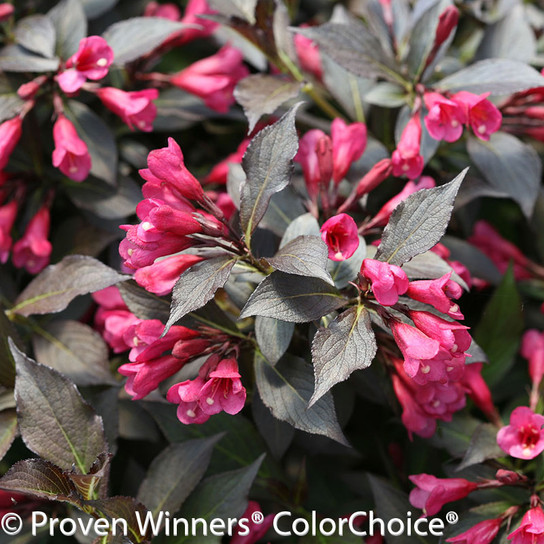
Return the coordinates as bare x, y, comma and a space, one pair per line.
170, 223
33, 249
155, 358
433, 379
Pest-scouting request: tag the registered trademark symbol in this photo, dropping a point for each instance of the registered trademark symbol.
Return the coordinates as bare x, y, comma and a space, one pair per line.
257, 517
452, 518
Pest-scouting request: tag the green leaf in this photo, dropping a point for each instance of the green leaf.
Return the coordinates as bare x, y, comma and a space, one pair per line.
267, 164
99, 139
496, 76
142, 303
71, 26
138, 36
499, 331
354, 48
418, 223
304, 256
75, 350
14, 58
54, 421
197, 285
221, 496
262, 94
37, 34
387, 95
55, 287
346, 345
8, 430
174, 473
273, 337
292, 298
285, 390
7, 366
483, 445
40, 479
510, 166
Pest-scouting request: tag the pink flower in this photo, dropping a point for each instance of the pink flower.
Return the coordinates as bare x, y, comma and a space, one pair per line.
135, 108
113, 318
406, 159
340, 235
445, 119
166, 11
220, 171
10, 132
191, 17
478, 390
413, 343
382, 217
532, 348
166, 166
213, 79
217, 388
499, 250
315, 156
8, 214
91, 61
481, 533
70, 155
452, 336
438, 293
482, 115
524, 437
378, 173
161, 276
432, 493
6, 11
388, 281
348, 144
531, 528
254, 531
446, 24
308, 55
33, 250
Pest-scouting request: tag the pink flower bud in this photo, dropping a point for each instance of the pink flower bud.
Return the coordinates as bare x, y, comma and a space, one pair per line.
452, 336
348, 144
8, 214
315, 156
532, 348
161, 276
406, 159
213, 79
531, 528
135, 108
478, 390
6, 11
524, 437
432, 493
378, 173
507, 477
308, 55
445, 119
256, 531
481, 533
446, 24
482, 115
10, 132
340, 235
165, 11
91, 61
33, 250
166, 166
438, 293
388, 281
70, 155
